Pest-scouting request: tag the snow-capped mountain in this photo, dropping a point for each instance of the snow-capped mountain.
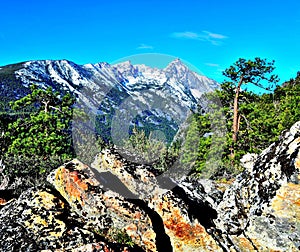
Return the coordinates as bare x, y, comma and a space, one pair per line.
120, 95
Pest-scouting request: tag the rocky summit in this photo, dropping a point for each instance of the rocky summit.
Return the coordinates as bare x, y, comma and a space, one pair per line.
117, 205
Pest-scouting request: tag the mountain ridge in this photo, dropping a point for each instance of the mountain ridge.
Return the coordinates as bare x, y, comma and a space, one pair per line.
164, 95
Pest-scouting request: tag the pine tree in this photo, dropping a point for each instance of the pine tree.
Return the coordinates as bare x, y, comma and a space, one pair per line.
46, 129
244, 72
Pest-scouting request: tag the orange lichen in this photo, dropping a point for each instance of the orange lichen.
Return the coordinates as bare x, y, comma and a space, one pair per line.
2, 201
72, 183
182, 229
287, 201
131, 227
187, 234
117, 164
137, 215
243, 243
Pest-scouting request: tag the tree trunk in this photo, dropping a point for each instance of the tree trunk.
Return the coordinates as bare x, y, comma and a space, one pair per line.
236, 119
235, 125
46, 106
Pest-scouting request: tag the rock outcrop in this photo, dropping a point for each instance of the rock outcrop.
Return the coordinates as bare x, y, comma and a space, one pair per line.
117, 205
261, 208
163, 220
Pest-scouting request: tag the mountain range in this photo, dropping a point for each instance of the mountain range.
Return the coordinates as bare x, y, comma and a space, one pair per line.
117, 97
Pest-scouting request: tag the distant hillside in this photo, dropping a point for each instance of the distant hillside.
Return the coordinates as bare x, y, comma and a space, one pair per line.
156, 99
11, 87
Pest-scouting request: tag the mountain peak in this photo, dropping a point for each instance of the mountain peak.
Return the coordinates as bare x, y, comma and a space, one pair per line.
176, 67
177, 62
125, 64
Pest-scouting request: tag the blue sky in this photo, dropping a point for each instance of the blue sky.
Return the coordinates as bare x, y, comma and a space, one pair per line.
209, 34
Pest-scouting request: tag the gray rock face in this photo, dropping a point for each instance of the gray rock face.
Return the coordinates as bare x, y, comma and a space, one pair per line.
249, 207
116, 205
248, 160
41, 220
33, 222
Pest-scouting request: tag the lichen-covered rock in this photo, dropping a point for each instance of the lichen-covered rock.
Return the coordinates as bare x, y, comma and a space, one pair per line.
140, 180
261, 205
248, 160
182, 226
107, 198
40, 220
36, 221
183, 210
102, 209
278, 227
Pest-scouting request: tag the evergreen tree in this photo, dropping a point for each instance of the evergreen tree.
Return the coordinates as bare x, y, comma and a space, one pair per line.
244, 72
46, 129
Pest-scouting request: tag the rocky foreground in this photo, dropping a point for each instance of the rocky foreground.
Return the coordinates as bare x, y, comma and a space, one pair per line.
115, 205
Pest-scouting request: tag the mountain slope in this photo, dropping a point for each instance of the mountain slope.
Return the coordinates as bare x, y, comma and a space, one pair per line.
118, 96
